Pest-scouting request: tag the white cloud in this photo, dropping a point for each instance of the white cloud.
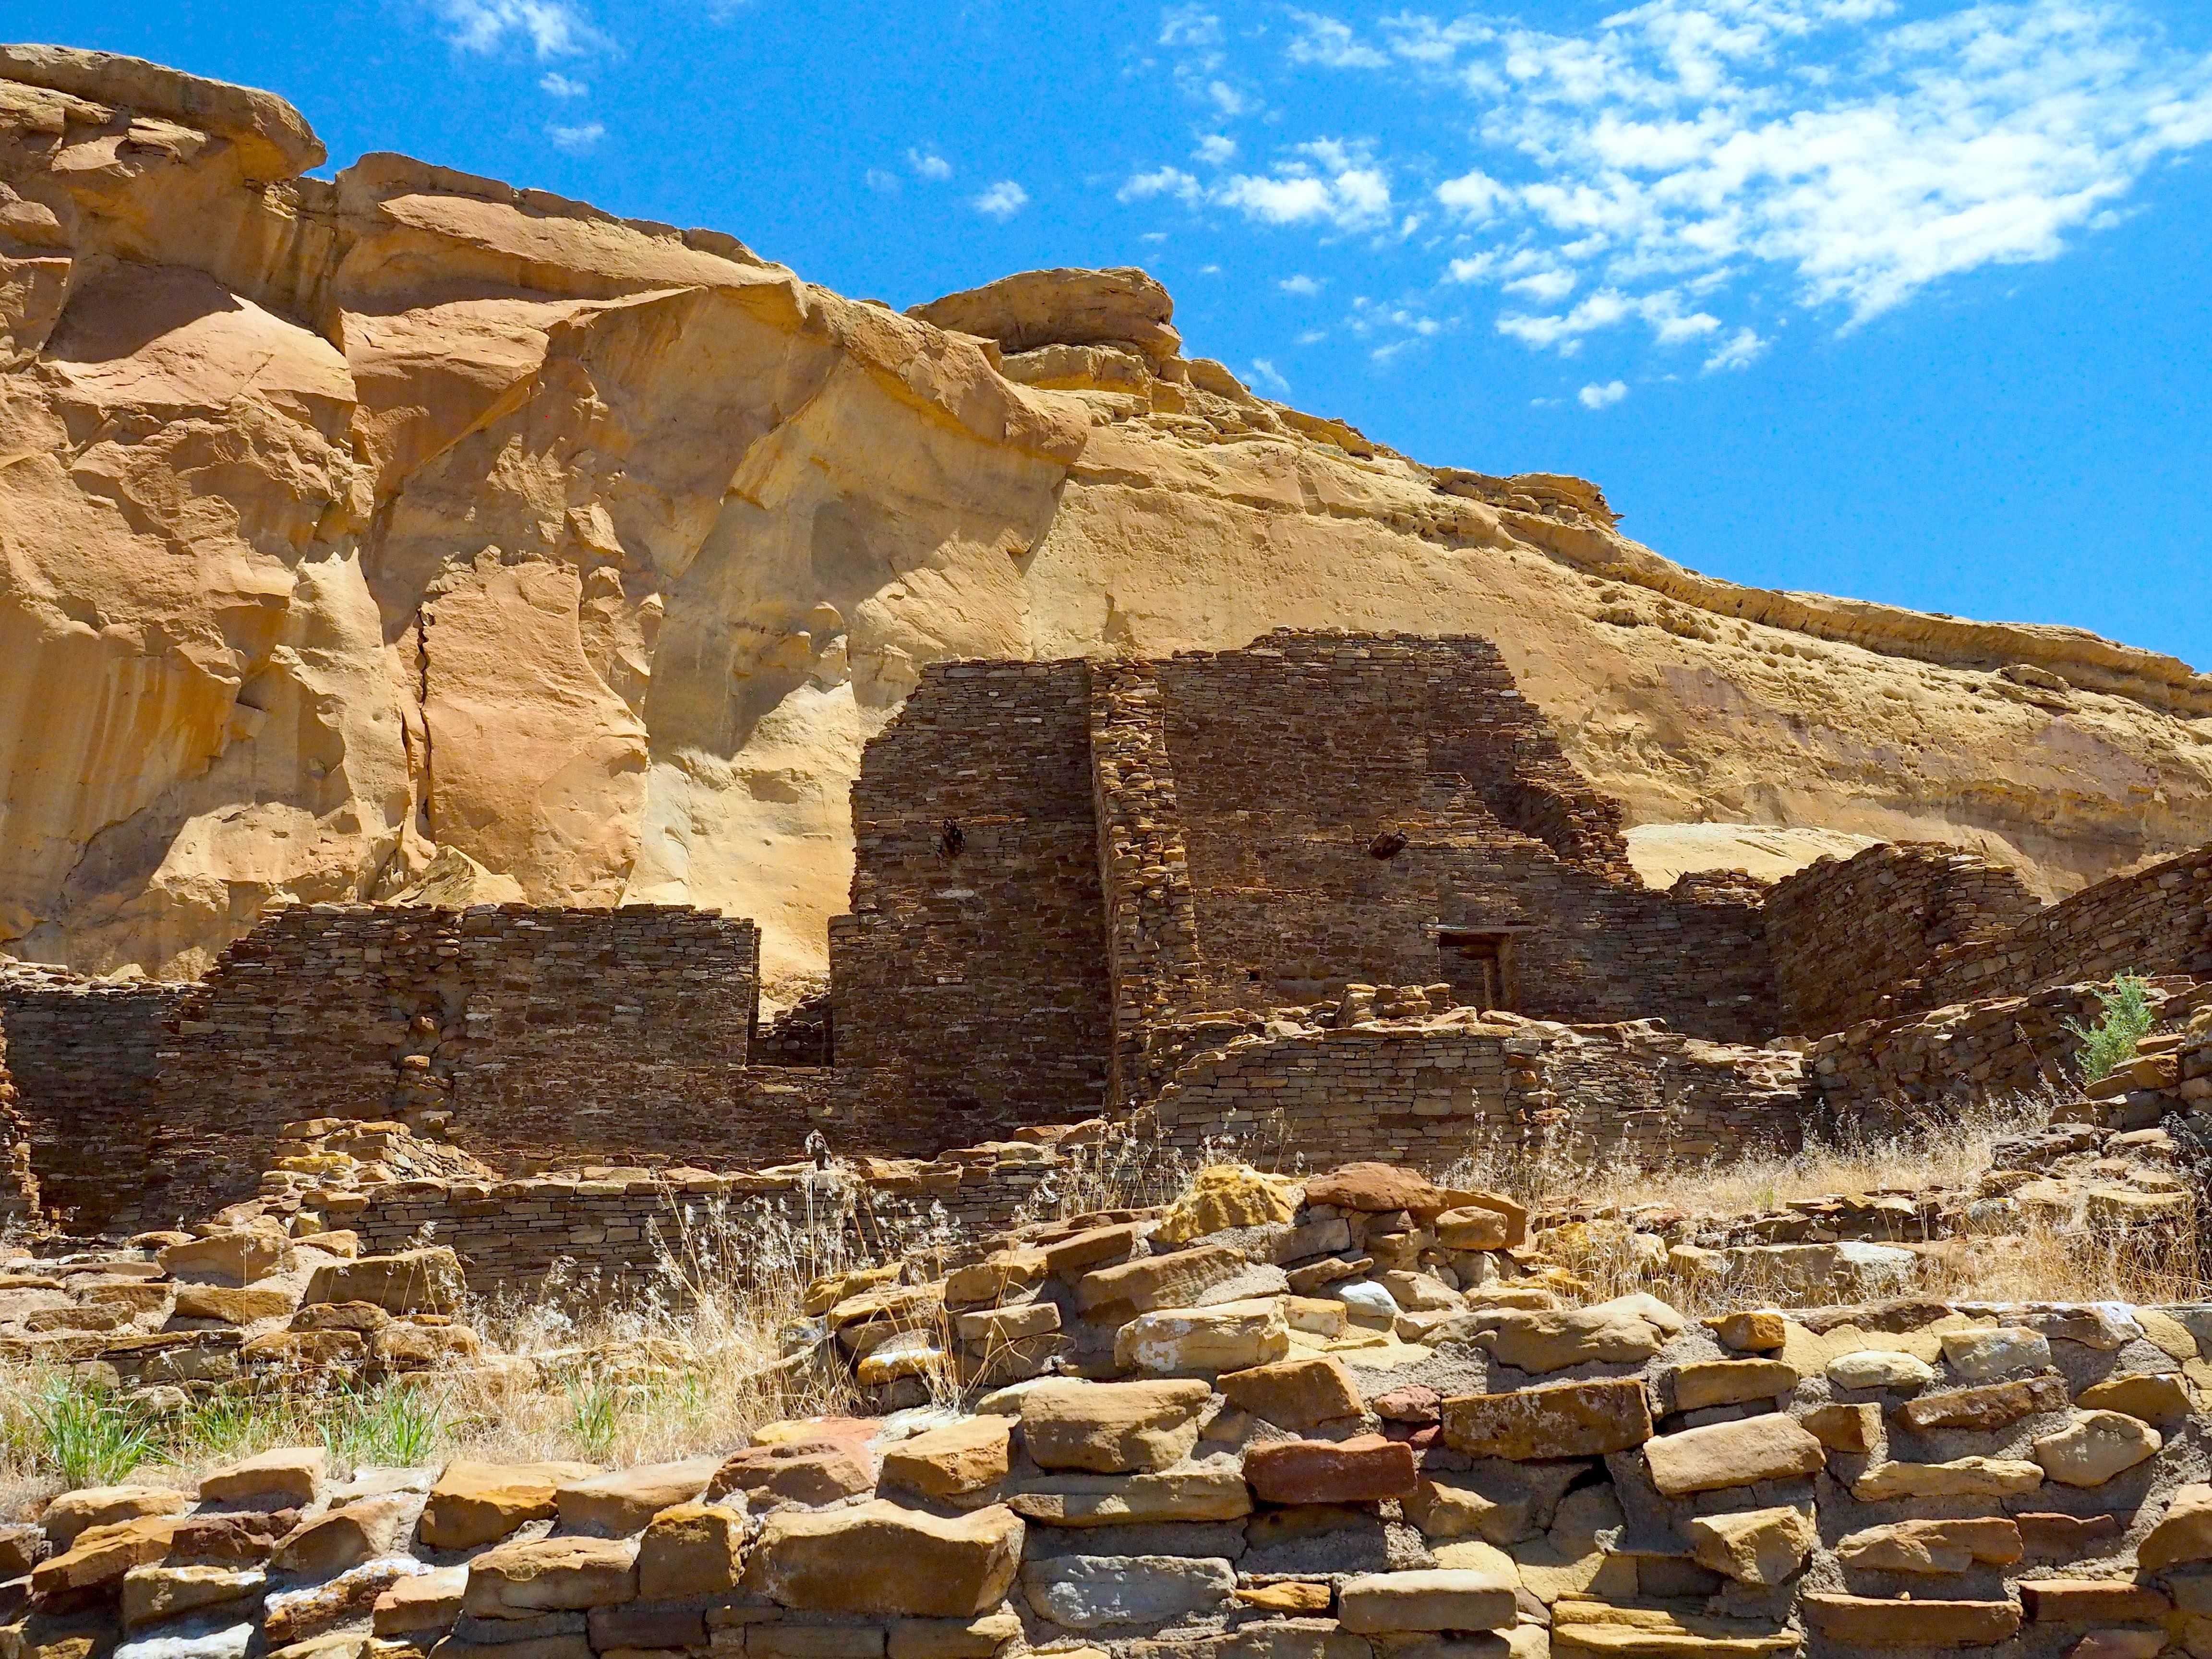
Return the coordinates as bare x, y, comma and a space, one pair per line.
1168, 181
1740, 350
1325, 182
929, 164
1189, 26
1263, 373
1215, 149
1602, 397
1300, 285
1689, 164
1227, 100
1002, 201
577, 139
553, 28
883, 184
1324, 41
560, 86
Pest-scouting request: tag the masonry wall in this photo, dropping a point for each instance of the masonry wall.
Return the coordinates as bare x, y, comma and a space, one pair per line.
2157, 921
1428, 1096
19, 1187
1845, 934
569, 1235
1290, 760
83, 1052
543, 1034
971, 991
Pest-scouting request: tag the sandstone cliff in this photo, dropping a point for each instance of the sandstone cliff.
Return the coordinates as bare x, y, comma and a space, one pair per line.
342, 524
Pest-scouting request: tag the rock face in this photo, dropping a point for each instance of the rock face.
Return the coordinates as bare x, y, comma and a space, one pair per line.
355, 524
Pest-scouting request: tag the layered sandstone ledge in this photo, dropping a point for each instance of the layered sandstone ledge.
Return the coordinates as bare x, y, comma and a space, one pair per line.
594, 550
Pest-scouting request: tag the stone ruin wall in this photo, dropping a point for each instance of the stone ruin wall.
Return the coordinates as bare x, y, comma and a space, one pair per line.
1289, 760
2157, 921
544, 1035
1843, 933
969, 987
1428, 1098
83, 1053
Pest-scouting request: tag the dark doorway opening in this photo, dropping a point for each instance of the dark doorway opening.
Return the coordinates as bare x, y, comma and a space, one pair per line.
1477, 966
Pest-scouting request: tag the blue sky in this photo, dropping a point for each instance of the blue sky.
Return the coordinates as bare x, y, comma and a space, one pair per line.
1908, 300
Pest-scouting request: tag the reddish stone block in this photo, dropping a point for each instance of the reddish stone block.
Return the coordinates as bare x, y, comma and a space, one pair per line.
1363, 1470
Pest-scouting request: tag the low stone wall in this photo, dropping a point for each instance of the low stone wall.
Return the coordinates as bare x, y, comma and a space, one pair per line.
1427, 1095
1885, 1074
83, 1053
570, 1233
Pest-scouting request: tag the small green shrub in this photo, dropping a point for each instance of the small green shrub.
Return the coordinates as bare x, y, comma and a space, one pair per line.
2125, 1021
87, 1435
220, 1427
398, 1424
595, 1414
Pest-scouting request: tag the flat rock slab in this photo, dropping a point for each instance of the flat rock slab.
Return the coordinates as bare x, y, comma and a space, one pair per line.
1773, 1447
1112, 1428
1870, 1621
1365, 1469
876, 1558
1440, 1599
1092, 1592
1560, 1419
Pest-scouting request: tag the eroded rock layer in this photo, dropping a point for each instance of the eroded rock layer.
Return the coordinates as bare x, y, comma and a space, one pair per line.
350, 522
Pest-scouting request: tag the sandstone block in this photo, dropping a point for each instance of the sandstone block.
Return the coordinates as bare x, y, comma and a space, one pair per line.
1225, 1196
2066, 1537
421, 1605
1990, 1405
692, 1549
1962, 1477
153, 1594
551, 1575
1364, 1469
1932, 1546
2091, 1602
348, 1536
473, 1503
1774, 1447
22, 1547
1983, 1355
235, 1258
100, 1555
2155, 1397
1880, 1368
1472, 1228
1496, 1501
2095, 1446
73, 1512
290, 1475
1730, 1383
1228, 1336
1753, 1546
1375, 1188
878, 1559
1064, 1257
1100, 1500
649, 1625
952, 1638
951, 1461
996, 1277
1562, 1420
234, 1304
1096, 1592
1624, 1330
1754, 1332
1845, 1428
231, 1534
1007, 1324
620, 1504
1159, 1281
2182, 1533
1112, 1428
1867, 1622
818, 1469
301, 1615
815, 1642
1294, 1394
1458, 1199
411, 1281
1438, 1598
